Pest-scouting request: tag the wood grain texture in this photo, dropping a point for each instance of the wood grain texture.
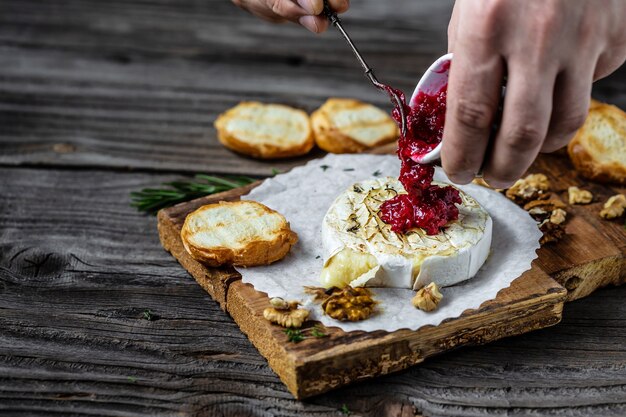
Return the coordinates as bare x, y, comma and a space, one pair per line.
137, 85
583, 261
90, 87
78, 267
319, 365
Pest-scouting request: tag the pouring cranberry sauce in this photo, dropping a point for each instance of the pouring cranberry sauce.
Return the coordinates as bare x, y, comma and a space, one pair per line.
425, 205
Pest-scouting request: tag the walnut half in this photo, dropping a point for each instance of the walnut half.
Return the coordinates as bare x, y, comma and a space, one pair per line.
531, 187
286, 313
427, 298
578, 196
351, 304
614, 207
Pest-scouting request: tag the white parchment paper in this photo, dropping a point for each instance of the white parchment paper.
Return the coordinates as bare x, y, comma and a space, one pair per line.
303, 196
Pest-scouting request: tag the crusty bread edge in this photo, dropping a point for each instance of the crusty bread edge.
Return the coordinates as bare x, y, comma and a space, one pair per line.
264, 151
585, 163
332, 140
261, 252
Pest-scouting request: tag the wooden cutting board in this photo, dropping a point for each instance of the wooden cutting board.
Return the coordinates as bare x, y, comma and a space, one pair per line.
590, 256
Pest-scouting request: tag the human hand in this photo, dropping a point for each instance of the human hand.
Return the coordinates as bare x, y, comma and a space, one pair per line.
304, 12
551, 51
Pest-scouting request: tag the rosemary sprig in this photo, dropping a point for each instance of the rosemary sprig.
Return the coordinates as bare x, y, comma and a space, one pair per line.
151, 200
294, 335
298, 335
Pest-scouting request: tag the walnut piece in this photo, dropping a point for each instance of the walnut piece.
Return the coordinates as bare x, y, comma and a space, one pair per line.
550, 214
427, 298
529, 188
558, 216
548, 204
351, 304
320, 294
483, 183
614, 207
285, 313
542, 209
280, 304
552, 232
578, 196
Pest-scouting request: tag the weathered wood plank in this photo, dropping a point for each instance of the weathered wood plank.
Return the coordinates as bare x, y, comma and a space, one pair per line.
106, 84
139, 84
583, 261
78, 266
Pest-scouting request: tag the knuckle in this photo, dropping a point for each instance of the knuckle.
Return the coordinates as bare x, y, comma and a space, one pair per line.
492, 13
473, 115
276, 6
524, 138
571, 122
549, 19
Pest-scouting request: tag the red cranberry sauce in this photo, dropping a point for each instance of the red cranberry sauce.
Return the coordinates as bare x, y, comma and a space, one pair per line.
425, 205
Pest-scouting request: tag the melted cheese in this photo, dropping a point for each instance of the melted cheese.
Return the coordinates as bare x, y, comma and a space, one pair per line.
346, 266
360, 249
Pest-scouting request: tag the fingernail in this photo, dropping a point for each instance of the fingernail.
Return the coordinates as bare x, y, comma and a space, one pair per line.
308, 6
461, 178
309, 23
499, 184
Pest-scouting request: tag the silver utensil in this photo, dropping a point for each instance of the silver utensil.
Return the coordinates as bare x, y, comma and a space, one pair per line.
369, 72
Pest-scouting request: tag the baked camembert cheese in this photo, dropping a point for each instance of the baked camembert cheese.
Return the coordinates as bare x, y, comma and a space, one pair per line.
362, 250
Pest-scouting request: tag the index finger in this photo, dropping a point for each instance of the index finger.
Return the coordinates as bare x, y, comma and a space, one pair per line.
474, 89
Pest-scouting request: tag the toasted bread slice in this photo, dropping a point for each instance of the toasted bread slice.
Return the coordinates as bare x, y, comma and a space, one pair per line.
598, 150
265, 131
349, 126
242, 233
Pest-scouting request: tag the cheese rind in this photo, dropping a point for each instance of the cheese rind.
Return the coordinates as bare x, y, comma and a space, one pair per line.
408, 260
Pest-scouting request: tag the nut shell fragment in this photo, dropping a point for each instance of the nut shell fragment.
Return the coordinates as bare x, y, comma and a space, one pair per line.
552, 232
614, 207
427, 298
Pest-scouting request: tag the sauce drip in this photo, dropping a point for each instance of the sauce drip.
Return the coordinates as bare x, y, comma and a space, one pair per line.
425, 205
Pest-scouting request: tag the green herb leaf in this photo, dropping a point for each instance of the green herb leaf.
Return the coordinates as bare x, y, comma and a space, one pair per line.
131, 379
317, 332
147, 314
275, 171
151, 200
294, 335
348, 169
324, 167
377, 173
345, 410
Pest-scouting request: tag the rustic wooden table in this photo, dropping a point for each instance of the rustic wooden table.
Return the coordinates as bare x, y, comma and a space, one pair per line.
98, 99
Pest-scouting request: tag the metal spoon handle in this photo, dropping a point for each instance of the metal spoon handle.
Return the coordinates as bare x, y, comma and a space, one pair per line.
369, 72
336, 21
